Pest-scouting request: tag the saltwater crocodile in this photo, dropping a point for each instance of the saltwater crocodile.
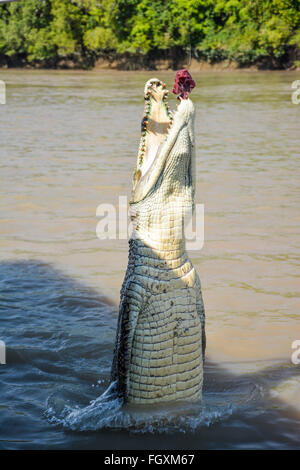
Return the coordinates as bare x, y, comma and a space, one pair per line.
160, 341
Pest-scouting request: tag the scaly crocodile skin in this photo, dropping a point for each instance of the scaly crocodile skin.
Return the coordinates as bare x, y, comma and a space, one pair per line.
160, 340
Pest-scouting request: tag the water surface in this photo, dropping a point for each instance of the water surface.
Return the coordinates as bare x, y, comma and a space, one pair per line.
68, 143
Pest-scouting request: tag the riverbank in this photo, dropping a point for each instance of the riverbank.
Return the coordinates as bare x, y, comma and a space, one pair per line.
194, 66
160, 61
150, 35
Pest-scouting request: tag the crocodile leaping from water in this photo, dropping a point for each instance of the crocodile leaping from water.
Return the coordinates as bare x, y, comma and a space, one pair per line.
160, 341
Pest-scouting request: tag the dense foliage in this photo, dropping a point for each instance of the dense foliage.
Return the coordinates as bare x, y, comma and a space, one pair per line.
247, 31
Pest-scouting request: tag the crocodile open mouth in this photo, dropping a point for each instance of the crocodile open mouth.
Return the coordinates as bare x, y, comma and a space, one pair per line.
156, 122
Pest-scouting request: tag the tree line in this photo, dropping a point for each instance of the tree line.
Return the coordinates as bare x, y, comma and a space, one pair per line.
138, 32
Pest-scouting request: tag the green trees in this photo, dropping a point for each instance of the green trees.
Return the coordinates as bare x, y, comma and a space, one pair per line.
249, 30
47, 31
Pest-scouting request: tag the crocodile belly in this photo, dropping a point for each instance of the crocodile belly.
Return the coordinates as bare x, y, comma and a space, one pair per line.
166, 360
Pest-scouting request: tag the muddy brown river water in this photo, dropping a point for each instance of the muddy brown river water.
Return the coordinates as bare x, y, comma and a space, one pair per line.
69, 142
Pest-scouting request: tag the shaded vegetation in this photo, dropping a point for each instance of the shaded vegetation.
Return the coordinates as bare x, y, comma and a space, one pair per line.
137, 32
